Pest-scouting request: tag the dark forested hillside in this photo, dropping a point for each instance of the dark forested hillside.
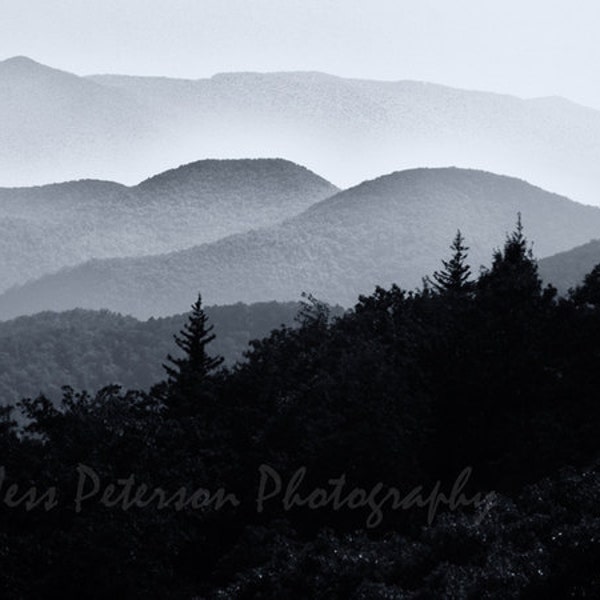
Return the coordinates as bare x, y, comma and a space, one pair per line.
435, 443
392, 229
43, 229
88, 349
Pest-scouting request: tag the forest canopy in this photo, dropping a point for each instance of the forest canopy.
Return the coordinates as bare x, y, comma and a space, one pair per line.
492, 372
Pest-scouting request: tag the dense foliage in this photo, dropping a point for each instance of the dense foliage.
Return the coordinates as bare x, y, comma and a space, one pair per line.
489, 381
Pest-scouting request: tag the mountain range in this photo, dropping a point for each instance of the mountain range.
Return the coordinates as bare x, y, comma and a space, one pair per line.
57, 126
394, 229
43, 229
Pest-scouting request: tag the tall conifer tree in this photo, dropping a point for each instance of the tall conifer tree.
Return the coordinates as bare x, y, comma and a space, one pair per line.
188, 375
455, 276
513, 278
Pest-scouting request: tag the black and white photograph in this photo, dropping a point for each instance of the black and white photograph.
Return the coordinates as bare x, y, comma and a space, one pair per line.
299, 299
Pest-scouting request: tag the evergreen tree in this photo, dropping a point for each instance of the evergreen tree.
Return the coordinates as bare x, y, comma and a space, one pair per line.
188, 374
513, 279
454, 277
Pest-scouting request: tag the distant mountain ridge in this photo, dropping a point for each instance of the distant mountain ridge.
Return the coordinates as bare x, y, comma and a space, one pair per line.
57, 126
43, 229
394, 229
568, 269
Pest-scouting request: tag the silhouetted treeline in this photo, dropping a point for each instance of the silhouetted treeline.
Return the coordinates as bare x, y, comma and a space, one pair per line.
491, 373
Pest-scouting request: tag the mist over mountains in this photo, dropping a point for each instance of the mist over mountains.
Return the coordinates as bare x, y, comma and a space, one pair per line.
267, 229
57, 126
394, 229
43, 229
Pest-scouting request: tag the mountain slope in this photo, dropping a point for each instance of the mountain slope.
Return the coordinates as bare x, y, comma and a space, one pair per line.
566, 270
46, 228
88, 349
392, 229
57, 127
52, 123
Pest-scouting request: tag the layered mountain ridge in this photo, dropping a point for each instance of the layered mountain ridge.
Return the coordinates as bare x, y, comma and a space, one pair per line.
43, 229
57, 126
394, 229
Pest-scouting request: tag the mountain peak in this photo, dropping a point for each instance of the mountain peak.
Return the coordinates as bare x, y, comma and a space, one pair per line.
23, 66
21, 62
227, 170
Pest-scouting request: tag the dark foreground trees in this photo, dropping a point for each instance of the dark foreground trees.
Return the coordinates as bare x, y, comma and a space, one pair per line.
407, 389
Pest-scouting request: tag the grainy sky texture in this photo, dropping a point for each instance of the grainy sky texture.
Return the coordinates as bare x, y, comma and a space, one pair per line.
523, 47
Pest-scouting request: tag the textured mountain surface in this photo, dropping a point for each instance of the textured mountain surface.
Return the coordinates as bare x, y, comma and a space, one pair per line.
56, 126
392, 229
43, 229
566, 270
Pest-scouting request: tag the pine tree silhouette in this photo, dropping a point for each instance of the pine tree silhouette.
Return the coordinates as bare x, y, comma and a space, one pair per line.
513, 277
455, 276
185, 374
516, 249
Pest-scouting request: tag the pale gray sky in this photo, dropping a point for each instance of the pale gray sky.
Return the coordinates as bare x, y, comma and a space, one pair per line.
523, 47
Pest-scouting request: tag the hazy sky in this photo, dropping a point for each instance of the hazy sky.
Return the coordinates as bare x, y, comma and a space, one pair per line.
523, 47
